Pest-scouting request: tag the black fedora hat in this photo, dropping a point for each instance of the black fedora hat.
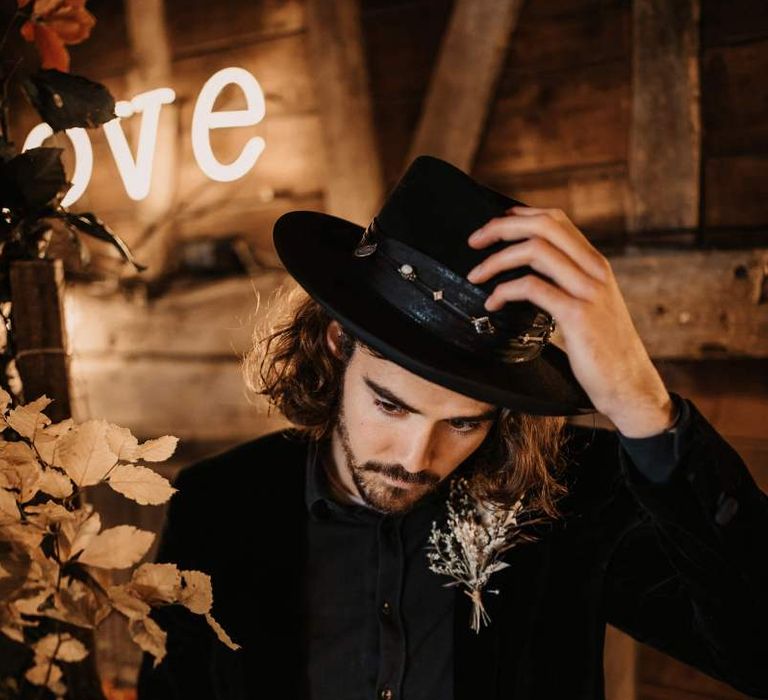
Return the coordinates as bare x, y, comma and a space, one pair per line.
400, 285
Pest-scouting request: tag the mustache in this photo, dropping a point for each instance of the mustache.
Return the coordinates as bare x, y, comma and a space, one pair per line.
398, 473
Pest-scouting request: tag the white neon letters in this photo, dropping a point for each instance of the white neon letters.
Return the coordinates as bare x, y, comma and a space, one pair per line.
136, 173
204, 119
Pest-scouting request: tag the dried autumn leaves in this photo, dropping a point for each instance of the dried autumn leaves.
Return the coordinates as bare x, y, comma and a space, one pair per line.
55, 559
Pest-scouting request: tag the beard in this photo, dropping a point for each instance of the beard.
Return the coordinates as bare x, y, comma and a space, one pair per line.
370, 478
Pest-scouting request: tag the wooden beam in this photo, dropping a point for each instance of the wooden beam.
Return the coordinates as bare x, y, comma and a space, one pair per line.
354, 183
151, 68
697, 304
665, 135
461, 89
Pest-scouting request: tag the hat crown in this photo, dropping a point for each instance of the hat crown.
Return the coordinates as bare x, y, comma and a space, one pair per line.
435, 207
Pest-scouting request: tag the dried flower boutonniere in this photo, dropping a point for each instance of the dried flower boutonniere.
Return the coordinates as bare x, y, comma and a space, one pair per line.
477, 533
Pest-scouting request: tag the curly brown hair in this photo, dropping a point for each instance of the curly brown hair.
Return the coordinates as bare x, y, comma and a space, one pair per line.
291, 364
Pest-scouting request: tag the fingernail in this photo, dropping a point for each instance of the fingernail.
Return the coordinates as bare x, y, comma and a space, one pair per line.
474, 236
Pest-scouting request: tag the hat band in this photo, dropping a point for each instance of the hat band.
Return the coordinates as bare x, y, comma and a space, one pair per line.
443, 302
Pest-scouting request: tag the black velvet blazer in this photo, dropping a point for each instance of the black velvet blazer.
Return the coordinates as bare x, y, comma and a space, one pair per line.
681, 566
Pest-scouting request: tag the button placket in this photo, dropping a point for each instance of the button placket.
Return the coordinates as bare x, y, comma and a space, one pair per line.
390, 581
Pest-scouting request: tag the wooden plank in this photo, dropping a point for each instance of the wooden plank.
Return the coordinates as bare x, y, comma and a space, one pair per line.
193, 400
402, 42
732, 22
253, 221
735, 187
545, 43
169, 326
197, 28
280, 64
665, 138
675, 318
468, 66
731, 394
697, 304
733, 112
558, 121
42, 349
593, 196
203, 28
354, 185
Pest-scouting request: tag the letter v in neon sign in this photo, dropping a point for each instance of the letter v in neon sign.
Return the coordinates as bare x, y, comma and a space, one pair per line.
136, 173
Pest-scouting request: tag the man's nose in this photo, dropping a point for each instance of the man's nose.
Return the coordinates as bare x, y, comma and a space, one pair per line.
420, 450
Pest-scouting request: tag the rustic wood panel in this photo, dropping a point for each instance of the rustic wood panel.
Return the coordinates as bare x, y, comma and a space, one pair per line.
734, 21
665, 131
461, 88
192, 399
281, 65
733, 111
564, 8
556, 121
170, 326
196, 28
207, 27
736, 191
713, 295
586, 35
354, 187
594, 196
402, 40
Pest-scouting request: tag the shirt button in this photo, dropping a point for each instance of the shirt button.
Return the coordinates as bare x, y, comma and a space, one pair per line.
386, 608
386, 694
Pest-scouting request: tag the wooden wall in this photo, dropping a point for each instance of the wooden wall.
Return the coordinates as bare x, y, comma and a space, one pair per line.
556, 135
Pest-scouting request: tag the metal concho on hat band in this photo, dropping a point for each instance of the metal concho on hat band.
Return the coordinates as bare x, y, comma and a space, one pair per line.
439, 299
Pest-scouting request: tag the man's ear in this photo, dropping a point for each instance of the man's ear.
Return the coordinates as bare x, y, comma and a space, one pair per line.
333, 337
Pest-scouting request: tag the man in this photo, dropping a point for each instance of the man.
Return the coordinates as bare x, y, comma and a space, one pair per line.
411, 379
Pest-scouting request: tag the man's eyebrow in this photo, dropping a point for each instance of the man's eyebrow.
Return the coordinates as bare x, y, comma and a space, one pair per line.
385, 393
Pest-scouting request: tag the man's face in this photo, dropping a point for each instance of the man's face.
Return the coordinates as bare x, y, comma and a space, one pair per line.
393, 424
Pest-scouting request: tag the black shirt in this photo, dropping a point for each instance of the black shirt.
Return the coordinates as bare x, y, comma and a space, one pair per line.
380, 622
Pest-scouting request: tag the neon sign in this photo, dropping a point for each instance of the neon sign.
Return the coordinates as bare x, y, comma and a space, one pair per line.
136, 173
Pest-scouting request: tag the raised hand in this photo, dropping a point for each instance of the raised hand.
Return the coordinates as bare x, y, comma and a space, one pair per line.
605, 352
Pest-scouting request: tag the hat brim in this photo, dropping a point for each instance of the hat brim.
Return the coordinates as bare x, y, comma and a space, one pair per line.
316, 250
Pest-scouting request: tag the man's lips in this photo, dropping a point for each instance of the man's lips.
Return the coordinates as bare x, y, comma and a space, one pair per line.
397, 482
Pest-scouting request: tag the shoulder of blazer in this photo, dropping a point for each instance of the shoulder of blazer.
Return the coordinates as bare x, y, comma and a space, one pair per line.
271, 463
593, 471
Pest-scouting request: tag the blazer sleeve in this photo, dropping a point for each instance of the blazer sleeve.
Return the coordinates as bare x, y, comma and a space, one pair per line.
688, 575
184, 673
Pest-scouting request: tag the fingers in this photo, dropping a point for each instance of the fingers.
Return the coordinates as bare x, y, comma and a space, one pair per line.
551, 225
554, 301
543, 257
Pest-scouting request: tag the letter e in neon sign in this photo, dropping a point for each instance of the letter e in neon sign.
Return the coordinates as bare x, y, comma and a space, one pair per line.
204, 119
